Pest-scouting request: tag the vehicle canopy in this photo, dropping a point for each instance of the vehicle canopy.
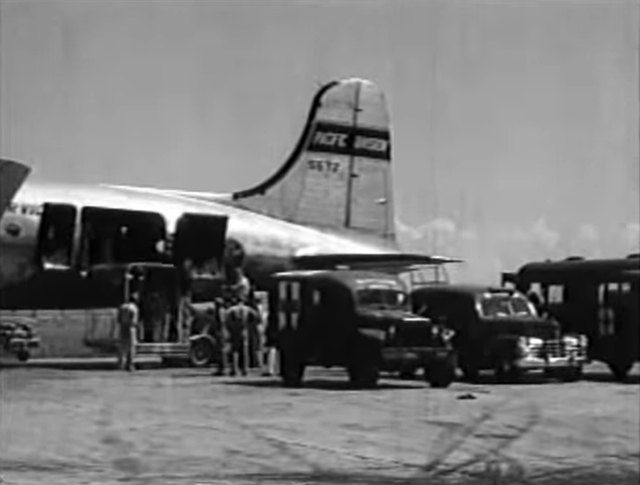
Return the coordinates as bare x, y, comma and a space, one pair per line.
352, 287
578, 269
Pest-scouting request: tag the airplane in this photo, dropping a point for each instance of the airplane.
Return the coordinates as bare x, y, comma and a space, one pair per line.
330, 204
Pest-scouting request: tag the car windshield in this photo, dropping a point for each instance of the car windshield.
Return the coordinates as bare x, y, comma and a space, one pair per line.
505, 305
382, 297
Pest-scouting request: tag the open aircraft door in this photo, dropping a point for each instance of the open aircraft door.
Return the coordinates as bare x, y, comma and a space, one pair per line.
56, 236
201, 238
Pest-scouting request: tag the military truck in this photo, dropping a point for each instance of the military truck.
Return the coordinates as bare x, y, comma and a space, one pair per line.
499, 329
597, 297
359, 320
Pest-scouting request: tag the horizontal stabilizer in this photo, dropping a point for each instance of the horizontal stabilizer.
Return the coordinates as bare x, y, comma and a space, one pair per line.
382, 261
12, 176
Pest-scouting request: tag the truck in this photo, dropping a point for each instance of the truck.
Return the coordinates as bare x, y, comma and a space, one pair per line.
355, 319
596, 297
499, 329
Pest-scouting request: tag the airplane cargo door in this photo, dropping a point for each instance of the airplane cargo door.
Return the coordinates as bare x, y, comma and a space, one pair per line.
121, 236
201, 238
56, 236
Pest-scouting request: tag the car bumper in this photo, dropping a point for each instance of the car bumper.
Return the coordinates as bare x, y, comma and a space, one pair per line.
533, 362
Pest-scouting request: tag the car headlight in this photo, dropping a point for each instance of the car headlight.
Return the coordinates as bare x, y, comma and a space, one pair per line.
571, 340
534, 342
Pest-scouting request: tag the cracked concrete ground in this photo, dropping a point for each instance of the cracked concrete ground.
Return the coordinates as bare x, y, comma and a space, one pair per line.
184, 426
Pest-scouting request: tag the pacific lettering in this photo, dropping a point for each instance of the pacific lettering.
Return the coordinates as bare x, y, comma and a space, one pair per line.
331, 139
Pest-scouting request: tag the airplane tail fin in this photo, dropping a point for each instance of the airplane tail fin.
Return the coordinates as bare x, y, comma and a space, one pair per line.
12, 176
339, 174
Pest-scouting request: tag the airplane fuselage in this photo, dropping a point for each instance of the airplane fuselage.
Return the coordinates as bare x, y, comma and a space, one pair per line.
269, 243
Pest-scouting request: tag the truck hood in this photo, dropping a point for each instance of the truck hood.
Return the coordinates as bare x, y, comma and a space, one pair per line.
385, 317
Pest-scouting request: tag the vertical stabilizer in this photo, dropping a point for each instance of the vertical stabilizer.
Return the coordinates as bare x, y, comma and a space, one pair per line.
339, 174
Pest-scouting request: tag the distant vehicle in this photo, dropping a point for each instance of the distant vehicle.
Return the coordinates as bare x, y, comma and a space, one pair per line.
597, 297
499, 329
359, 320
17, 338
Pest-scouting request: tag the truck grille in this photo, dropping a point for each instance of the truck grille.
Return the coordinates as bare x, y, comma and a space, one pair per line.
411, 336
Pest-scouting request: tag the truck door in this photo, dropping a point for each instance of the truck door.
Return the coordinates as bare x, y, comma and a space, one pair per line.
201, 238
56, 236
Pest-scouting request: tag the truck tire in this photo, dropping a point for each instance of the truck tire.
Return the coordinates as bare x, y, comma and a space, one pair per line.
440, 374
364, 375
620, 369
201, 353
291, 369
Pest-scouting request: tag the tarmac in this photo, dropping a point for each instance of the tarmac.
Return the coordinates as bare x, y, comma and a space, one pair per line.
82, 422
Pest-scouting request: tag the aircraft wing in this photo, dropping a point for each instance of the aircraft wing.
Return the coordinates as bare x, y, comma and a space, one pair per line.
389, 262
12, 176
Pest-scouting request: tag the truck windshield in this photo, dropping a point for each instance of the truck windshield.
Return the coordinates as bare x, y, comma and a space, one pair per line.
382, 297
505, 305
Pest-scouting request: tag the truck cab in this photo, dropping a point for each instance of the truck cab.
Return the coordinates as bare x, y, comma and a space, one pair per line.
499, 329
359, 320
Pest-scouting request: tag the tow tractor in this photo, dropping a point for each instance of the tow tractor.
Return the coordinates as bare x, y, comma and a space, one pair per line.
17, 338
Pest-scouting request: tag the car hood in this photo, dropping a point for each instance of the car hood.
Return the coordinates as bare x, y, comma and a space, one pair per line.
527, 327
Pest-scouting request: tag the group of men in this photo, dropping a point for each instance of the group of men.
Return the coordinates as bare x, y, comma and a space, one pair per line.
234, 321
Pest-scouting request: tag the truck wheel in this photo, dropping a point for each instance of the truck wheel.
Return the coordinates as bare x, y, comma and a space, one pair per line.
364, 375
620, 369
506, 371
291, 370
441, 373
470, 372
200, 353
23, 355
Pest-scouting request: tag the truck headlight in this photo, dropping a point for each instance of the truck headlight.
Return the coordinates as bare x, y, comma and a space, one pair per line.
448, 334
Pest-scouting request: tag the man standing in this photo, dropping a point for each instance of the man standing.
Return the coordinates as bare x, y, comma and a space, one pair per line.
128, 316
238, 318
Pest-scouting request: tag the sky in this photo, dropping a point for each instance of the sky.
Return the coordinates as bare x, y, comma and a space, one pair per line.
515, 124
